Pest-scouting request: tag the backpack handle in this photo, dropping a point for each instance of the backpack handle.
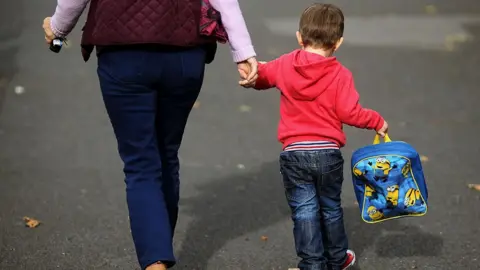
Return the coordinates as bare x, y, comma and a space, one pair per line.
376, 140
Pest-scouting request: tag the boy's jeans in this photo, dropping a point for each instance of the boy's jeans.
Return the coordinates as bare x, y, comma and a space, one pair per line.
313, 184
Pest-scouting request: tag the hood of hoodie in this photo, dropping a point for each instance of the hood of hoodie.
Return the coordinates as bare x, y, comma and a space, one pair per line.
313, 75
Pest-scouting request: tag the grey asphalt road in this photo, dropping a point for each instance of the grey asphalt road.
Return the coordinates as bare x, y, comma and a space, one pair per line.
58, 160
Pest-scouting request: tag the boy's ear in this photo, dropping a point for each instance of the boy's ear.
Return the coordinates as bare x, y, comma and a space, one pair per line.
299, 39
339, 43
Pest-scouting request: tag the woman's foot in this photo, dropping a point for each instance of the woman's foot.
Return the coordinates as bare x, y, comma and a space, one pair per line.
157, 266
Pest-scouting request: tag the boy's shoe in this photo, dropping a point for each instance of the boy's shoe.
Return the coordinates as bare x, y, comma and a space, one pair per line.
350, 260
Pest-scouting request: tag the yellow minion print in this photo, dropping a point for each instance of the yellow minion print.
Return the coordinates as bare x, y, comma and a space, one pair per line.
411, 197
392, 195
369, 191
406, 169
374, 214
357, 172
381, 168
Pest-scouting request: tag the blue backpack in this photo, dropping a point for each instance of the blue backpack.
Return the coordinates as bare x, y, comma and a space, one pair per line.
388, 181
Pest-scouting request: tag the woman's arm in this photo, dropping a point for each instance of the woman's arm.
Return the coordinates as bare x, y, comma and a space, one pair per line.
66, 16
239, 38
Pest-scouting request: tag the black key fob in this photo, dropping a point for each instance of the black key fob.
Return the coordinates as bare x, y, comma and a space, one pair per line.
56, 45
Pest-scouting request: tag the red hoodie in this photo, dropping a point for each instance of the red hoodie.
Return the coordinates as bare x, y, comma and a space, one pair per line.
317, 96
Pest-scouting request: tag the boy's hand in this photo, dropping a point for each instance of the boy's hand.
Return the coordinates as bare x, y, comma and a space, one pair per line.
383, 131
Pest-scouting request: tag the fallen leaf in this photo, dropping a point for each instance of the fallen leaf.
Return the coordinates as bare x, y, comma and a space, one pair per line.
264, 238
452, 40
245, 108
431, 9
30, 222
196, 105
474, 186
424, 158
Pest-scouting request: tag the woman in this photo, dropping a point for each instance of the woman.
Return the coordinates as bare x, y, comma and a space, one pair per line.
151, 62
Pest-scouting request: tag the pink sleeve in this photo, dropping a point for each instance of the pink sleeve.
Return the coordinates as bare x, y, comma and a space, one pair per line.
234, 23
66, 16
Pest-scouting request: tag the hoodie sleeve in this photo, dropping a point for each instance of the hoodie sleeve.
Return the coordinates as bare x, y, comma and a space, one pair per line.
267, 75
349, 110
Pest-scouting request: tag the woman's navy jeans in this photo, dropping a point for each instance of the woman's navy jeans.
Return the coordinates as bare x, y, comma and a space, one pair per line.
148, 94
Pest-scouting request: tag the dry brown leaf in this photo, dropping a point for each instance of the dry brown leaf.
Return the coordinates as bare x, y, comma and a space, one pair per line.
264, 238
424, 158
31, 222
196, 105
431, 9
474, 186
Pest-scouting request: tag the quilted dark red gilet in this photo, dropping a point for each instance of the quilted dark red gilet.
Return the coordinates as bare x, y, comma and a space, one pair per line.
127, 22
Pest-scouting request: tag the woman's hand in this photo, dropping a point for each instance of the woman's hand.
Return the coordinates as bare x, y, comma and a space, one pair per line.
49, 36
248, 70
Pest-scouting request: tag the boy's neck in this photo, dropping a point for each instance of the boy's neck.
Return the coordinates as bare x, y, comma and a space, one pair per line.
322, 52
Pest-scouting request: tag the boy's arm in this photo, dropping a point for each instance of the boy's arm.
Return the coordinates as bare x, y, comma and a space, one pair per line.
349, 110
267, 74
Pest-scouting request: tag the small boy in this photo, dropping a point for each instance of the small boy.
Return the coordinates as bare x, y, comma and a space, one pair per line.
317, 97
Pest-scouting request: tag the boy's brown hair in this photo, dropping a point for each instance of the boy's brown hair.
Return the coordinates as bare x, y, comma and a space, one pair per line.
321, 26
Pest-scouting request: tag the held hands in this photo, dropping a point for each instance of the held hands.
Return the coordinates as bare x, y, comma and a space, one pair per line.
384, 130
248, 72
49, 36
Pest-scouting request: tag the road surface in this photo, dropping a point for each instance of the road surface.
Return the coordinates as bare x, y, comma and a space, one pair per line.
58, 160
